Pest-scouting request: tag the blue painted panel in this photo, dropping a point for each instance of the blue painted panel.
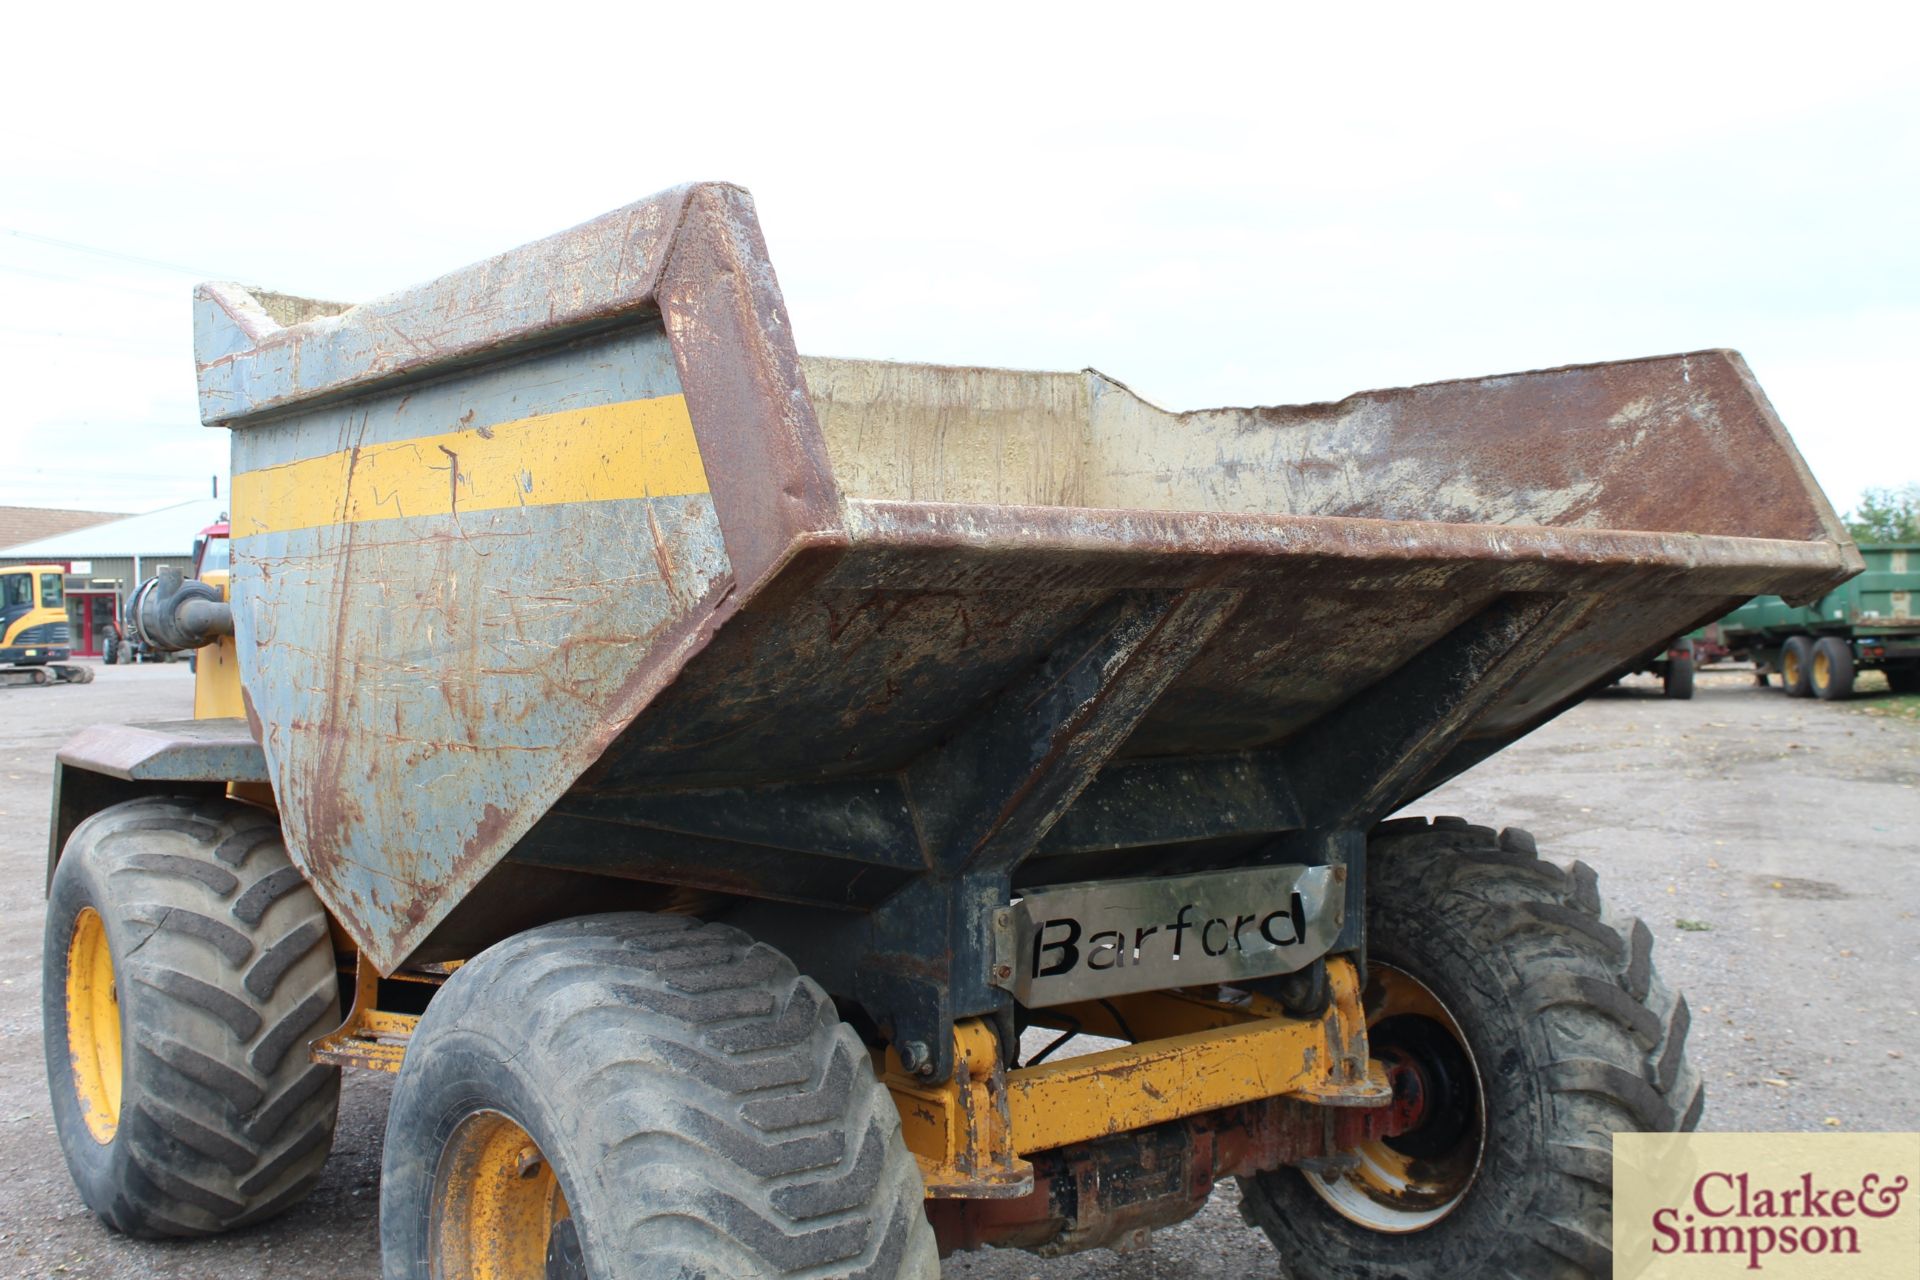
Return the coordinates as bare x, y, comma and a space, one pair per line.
428, 685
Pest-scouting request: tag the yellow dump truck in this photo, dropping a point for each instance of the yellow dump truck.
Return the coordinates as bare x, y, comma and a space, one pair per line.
721, 784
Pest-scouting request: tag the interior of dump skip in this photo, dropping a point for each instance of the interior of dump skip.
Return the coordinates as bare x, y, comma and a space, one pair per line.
1558, 451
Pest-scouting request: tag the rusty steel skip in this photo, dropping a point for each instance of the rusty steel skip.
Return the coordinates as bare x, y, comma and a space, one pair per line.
986, 700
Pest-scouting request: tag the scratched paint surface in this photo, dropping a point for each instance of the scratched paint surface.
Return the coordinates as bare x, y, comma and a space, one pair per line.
602, 263
428, 683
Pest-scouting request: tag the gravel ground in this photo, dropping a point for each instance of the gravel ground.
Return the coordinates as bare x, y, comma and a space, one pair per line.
1772, 846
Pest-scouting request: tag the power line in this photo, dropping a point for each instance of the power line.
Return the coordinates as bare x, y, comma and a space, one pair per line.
77, 247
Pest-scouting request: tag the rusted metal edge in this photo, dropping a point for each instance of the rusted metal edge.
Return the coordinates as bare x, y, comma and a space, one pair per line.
1851, 559
765, 455
172, 751
692, 257
252, 366
1544, 427
1702, 565
1477, 381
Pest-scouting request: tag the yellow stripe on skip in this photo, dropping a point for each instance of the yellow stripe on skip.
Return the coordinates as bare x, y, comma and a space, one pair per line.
634, 449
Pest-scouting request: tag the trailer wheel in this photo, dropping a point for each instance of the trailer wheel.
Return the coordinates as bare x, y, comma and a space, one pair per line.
1904, 679
1531, 1025
1831, 674
185, 966
630, 1094
1677, 680
1796, 663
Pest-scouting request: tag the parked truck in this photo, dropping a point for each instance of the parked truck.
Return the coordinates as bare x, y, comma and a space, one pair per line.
694, 769
1818, 647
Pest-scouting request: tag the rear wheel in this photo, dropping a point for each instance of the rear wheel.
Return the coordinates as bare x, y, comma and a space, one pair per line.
1677, 681
1904, 679
1796, 666
1831, 674
628, 1095
1522, 1025
185, 966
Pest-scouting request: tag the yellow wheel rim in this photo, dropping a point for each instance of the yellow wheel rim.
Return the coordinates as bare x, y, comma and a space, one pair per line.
1790, 667
1822, 670
93, 1026
496, 1203
1399, 1186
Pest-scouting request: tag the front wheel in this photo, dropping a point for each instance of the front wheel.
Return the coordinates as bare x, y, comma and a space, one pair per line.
636, 1095
1520, 1025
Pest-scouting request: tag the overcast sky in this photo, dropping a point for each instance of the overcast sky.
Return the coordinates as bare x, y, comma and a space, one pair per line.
1216, 205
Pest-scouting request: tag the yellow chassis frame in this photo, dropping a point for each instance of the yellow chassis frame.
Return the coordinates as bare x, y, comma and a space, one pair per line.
971, 1136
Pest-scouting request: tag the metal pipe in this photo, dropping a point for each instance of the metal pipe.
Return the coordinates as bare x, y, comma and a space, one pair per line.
172, 614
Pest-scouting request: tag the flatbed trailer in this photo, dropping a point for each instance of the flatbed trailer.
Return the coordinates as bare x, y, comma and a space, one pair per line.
694, 768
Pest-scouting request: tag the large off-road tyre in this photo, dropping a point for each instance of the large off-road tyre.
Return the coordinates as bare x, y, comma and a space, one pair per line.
185, 967
1904, 679
1796, 666
1534, 1026
1832, 672
632, 1095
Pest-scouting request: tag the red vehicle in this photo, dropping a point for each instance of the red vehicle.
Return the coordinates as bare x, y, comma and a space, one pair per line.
210, 549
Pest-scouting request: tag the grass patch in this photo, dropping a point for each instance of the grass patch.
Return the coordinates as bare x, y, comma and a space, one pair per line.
1871, 696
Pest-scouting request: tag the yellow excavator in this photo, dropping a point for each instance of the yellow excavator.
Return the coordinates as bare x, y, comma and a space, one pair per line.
34, 637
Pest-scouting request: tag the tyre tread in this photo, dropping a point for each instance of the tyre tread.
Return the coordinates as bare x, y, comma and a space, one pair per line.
1608, 1046
222, 1124
756, 1139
